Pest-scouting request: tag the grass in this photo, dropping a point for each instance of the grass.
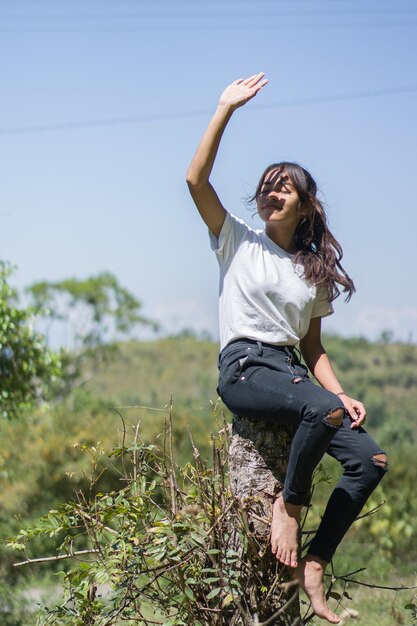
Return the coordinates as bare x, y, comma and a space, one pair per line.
374, 607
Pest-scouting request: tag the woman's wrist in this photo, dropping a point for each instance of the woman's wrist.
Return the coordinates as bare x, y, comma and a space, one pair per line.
341, 393
225, 109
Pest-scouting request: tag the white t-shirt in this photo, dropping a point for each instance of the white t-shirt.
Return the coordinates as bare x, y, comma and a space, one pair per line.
263, 294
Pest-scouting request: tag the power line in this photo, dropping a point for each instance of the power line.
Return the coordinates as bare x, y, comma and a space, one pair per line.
140, 3
204, 28
180, 15
153, 3
159, 117
198, 14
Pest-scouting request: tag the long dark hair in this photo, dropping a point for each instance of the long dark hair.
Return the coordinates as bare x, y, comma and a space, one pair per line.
318, 250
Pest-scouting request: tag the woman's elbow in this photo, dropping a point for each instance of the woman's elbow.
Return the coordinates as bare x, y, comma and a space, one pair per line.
193, 177
195, 183
192, 182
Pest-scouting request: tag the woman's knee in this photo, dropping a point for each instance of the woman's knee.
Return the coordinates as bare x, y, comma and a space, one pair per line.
375, 468
380, 460
335, 417
330, 414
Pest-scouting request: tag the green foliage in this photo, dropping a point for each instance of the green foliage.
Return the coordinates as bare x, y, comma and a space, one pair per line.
108, 305
171, 538
412, 607
94, 312
394, 529
12, 608
27, 367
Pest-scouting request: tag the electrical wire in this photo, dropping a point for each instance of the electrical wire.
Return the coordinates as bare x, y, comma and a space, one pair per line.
206, 28
183, 13
160, 117
153, 3
210, 14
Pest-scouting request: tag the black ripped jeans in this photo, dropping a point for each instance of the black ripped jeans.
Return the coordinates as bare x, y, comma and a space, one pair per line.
267, 382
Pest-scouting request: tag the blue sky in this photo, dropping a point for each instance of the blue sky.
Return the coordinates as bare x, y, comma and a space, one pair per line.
103, 104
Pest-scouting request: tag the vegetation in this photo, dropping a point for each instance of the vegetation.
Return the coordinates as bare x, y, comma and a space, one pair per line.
166, 540
172, 541
27, 367
43, 454
93, 312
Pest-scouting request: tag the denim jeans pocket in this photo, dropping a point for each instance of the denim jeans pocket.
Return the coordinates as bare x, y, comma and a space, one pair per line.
232, 367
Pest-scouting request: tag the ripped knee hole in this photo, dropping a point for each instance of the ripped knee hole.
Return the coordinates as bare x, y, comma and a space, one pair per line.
380, 460
335, 418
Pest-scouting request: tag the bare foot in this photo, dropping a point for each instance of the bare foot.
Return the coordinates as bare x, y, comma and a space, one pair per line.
284, 531
309, 575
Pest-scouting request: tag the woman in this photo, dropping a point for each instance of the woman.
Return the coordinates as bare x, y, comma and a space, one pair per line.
275, 286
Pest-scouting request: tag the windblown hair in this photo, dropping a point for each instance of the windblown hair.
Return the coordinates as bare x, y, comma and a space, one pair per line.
318, 250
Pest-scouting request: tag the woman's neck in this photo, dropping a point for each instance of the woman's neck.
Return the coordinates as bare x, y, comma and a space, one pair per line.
282, 237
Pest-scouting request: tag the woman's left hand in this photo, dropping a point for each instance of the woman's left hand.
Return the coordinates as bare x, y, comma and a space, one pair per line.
355, 409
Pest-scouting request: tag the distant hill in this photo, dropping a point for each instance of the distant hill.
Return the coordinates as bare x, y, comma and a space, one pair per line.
382, 375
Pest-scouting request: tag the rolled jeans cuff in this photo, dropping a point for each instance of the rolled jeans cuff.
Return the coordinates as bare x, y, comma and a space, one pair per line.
320, 549
291, 497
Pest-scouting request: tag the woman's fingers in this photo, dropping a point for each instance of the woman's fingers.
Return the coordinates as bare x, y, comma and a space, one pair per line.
356, 411
246, 81
261, 84
254, 79
242, 90
358, 414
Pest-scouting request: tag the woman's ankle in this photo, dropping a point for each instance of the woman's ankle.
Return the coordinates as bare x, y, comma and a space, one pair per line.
293, 510
317, 561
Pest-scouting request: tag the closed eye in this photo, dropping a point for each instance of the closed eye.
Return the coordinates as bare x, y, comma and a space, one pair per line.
278, 188
283, 183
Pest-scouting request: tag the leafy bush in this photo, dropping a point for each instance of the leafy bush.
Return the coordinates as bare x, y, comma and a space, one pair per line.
171, 547
27, 367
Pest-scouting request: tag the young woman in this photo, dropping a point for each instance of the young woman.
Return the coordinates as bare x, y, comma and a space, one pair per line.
275, 286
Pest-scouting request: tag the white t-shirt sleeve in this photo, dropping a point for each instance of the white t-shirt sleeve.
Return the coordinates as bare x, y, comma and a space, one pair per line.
321, 305
231, 235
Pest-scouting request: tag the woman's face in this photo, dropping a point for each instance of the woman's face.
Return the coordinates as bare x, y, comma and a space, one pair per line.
278, 200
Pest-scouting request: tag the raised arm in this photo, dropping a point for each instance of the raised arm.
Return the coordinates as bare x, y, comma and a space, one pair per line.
203, 194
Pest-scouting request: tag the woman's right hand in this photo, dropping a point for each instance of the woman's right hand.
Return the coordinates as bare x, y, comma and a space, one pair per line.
205, 198
241, 91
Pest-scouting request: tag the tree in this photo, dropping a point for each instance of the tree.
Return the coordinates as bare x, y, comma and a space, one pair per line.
27, 366
258, 458
93, 314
